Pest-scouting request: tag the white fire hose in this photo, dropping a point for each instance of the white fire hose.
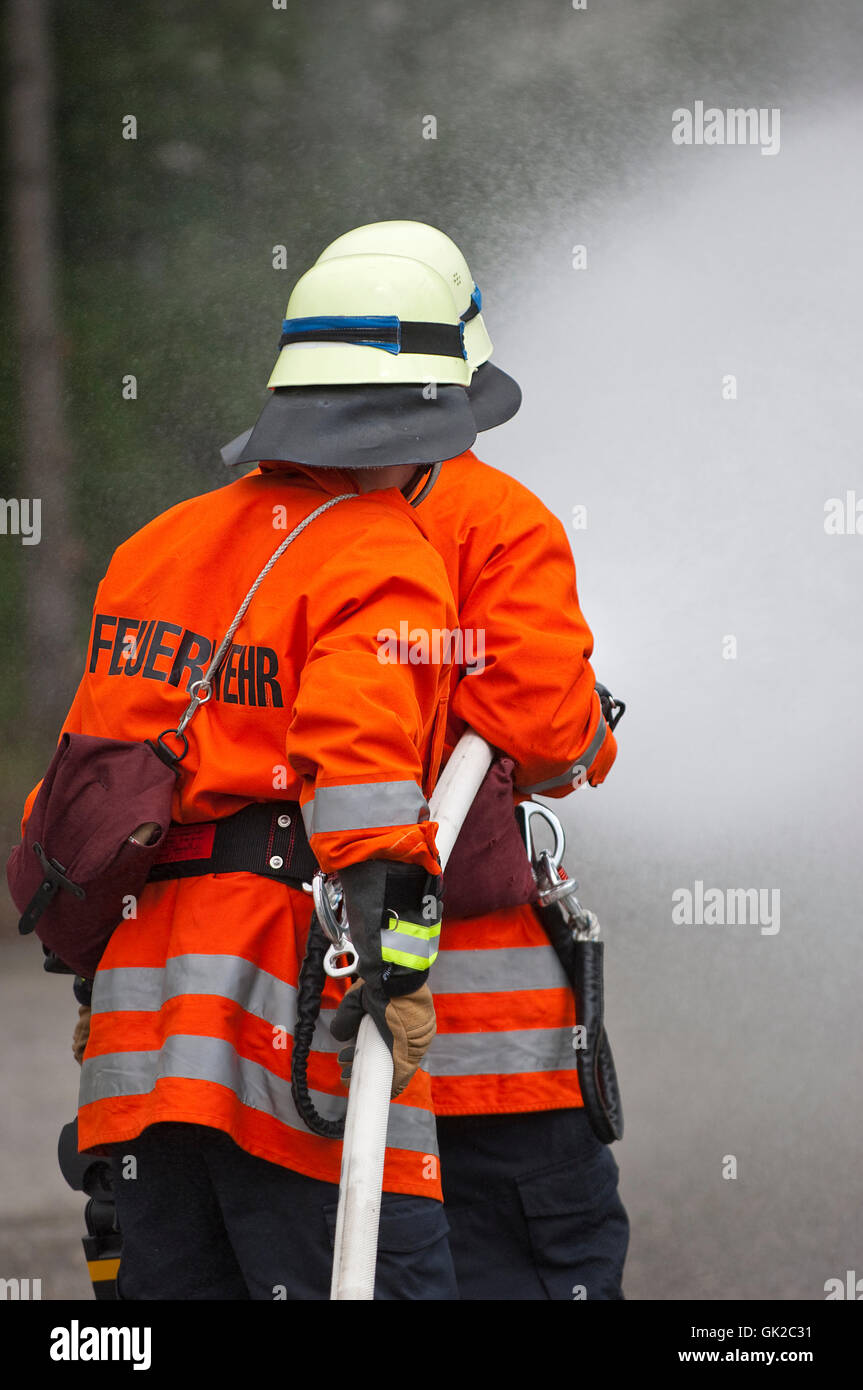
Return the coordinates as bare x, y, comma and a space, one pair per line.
356, 1243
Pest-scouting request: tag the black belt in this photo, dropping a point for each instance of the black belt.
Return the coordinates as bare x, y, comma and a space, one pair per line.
266, 838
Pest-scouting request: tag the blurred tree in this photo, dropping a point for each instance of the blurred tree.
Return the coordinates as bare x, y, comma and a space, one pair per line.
49, 630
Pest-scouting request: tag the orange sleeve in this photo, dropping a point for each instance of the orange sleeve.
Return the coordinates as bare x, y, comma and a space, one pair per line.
531, 693
365, 718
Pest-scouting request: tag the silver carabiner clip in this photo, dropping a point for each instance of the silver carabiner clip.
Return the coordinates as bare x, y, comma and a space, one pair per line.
329, 901
547, 866
334, 953
554, 886
563, 892
526, 811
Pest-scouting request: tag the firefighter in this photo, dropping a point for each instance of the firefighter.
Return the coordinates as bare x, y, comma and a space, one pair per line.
531, 1194
308, 748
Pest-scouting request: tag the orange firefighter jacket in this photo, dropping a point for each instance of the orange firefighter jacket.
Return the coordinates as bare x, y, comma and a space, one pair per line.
194, 1001
505, 1011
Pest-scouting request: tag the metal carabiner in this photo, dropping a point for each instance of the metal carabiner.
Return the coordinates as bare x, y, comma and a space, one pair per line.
335, 952
526, 811
329, 901
563, 893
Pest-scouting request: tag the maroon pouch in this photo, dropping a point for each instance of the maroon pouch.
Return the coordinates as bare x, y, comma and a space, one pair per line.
75, 869
489, 868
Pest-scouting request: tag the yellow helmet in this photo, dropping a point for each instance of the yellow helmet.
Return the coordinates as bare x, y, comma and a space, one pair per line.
494, 396
371, 371
364, 319
423, 243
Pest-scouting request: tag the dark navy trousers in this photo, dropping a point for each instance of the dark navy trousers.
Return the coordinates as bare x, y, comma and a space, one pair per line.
533, 1207
202, 1219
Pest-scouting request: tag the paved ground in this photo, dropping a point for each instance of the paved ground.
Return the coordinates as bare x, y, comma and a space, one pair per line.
41, 1219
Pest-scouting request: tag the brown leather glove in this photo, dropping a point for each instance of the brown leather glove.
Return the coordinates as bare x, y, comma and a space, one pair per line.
81, 1035
408, 1029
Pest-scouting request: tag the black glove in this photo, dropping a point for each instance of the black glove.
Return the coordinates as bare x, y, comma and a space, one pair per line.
394, 913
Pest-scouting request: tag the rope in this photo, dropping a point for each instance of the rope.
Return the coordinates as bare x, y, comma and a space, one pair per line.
202, 687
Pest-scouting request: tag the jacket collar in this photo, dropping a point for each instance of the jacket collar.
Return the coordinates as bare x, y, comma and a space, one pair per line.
332, 481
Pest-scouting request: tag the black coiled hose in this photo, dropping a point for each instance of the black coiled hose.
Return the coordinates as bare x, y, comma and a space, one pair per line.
309, 988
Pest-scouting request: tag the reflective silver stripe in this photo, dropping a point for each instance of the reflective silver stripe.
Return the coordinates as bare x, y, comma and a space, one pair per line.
128, 989
364, 807
582, 765
409, 945
493, 971
409, 1127
144, 988
213, 1059
478, 1054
